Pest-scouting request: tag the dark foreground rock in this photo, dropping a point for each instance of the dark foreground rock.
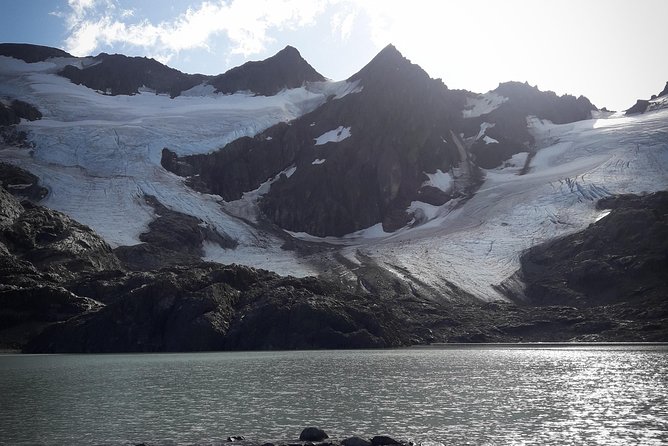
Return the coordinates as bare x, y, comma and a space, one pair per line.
313, 434
40, 249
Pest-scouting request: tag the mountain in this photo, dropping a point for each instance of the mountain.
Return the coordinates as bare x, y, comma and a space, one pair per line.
382, 210
285, 69
355, 161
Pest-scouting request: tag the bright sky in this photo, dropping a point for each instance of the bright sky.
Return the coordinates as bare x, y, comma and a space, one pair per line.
612, 51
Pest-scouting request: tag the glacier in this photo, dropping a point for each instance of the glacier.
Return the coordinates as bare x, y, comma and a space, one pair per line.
99, 155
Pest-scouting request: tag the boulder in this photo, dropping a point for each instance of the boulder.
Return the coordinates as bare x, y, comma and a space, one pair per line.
380, 440
355, 441
313, 434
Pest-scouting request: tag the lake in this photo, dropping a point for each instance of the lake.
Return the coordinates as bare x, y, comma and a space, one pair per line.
474, 395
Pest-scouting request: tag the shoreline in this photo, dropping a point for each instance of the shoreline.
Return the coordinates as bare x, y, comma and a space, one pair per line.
434, 346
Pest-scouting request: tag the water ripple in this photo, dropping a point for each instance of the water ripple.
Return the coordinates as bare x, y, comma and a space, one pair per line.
480, 396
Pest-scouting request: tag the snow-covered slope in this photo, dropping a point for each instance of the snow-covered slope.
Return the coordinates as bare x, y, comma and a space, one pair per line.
99, 155
476, 246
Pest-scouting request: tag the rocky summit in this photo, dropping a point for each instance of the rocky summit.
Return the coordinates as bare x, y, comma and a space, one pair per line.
144, 209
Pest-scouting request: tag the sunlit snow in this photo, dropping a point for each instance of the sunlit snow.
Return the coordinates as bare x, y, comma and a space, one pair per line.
337, 135
482, 104
440, 180
99, 155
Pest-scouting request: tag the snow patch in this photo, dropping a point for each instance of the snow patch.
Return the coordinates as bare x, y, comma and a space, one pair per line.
489, 140
440, 180
335, 90
483, 128
423, 212
200, 90
482, 104
337, 135
318, 161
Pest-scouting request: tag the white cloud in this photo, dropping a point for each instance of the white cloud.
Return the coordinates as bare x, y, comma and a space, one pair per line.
342, 22
246, 23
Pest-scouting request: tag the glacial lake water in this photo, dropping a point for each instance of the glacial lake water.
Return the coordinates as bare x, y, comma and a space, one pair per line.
602, 395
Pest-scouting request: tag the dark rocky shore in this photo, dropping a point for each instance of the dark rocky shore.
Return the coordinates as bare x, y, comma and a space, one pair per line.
312, 436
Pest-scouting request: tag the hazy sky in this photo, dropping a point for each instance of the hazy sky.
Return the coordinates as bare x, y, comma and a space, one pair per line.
611, 51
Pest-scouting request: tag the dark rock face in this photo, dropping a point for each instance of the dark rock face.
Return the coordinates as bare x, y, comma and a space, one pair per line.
173, 238
21, 183
11, 114
313, 434
285, 69
173, 311
214, 307
56, 244
38, 250
664, 92
30, 53
622, 258
400, 127
10, 209
510, 120
640, 106
118, 74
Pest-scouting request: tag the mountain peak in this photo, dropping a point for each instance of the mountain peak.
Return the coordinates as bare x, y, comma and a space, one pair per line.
388, 64
285, 69
289, 50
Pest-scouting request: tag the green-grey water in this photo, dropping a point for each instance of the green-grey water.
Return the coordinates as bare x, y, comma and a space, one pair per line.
613, 395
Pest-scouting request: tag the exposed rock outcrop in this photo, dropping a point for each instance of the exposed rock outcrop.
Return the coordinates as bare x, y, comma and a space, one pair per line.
21, 183
39, 250
640, 106
654, 103
56, 244
664, 92
173, 238
622, 258
13, 112
30, 53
